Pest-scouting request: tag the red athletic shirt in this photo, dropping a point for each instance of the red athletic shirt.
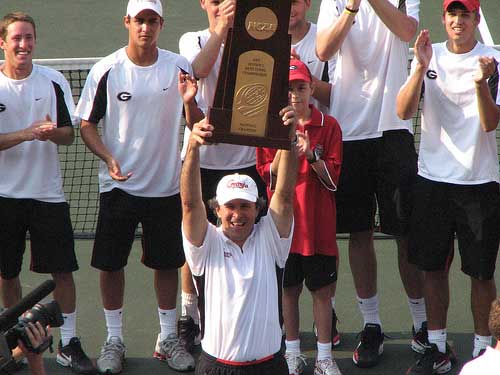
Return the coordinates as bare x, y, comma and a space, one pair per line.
314, 206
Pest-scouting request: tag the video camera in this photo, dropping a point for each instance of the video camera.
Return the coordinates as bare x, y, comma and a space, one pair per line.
13, 328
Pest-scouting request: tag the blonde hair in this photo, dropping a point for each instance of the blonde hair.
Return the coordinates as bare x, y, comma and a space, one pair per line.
10, 18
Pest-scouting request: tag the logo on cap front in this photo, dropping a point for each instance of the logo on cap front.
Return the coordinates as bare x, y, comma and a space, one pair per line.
232, 184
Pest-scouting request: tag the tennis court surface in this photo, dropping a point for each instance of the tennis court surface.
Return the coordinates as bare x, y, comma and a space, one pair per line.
141, 320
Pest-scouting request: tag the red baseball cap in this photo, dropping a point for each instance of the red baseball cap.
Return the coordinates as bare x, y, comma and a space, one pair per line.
299, 71
471, 5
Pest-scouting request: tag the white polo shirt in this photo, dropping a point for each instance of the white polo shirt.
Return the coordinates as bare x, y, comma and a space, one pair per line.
221, 156
240, 290
31, 170
486, 364
371, 67
453, 147
141, 111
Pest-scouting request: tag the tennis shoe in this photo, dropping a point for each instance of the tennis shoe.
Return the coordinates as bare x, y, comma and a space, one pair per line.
189, 332
174, 353
431, 362
73, 356
420, 339
112, 356
370, 347
326, 367
335, 331
296, 363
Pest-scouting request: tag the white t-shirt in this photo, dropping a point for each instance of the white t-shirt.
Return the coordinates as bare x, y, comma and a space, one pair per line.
241, 291
371, 67
141, 110
453, 147
31, 169
306, 48
486, 364
221, 156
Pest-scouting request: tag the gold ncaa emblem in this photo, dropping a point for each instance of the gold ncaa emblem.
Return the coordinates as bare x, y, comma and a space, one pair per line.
251, 99
261, 23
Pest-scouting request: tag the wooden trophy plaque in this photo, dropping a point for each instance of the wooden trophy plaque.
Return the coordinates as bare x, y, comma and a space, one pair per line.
252, 86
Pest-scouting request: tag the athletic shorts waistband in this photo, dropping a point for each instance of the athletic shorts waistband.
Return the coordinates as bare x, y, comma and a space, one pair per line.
245, 363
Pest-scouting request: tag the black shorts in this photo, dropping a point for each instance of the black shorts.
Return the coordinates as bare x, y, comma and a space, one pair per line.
51, 236
211, 177
379, 171
318, 271
119, 215
443, 210
208, 365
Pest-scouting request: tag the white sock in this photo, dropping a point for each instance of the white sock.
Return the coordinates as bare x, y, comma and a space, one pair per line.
114, 323
324, 350
292, 346
68, 329
480, 343
369, 310
189, 306
333, 302
418, 312
438, 337
168, 322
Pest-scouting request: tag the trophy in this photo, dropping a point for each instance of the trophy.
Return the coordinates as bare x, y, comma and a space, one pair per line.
252, 86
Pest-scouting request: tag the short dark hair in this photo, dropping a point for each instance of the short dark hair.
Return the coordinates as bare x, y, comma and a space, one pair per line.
494, 320
10, 18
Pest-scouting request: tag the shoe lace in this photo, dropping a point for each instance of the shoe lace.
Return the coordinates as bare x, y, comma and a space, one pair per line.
369, 338
295, 361
111, 350
174, 348
328, 366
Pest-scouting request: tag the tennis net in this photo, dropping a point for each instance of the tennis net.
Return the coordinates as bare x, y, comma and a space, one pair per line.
80, 167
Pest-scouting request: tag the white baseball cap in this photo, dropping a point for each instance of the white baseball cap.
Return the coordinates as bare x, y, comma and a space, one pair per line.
236, 186
134, 7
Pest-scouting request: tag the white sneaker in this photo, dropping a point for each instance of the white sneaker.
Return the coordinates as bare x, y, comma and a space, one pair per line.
112, 356
296, 363
326, 367
174, 353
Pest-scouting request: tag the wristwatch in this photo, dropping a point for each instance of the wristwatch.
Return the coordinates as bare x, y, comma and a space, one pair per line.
316, 155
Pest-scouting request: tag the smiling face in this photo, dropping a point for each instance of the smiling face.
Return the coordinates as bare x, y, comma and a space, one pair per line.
18, 46
461, 25
237, 219
298, 13
144, 29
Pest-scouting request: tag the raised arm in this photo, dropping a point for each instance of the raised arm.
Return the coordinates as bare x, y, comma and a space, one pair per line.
330, 39
205, 60
281, 205
489, 111
194, 217
409, 94
400, 24
188, 88
92, 139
